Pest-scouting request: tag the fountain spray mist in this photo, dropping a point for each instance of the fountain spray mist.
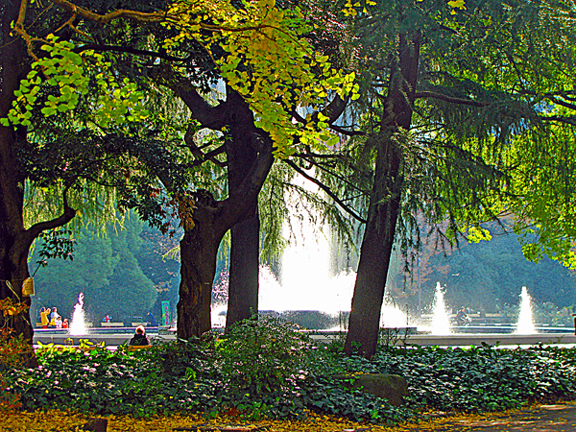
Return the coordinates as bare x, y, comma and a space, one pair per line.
440, 319
525, 322
78, 324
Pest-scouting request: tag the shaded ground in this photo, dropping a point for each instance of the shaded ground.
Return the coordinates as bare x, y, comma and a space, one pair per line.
542, 418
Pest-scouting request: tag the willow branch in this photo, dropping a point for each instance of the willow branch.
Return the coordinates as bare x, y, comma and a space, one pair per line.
449, 99
327, 190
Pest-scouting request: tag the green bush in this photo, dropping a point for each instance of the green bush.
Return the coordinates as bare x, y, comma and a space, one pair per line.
271, 368
262, 364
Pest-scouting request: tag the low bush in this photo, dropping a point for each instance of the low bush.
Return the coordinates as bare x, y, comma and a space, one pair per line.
270, 369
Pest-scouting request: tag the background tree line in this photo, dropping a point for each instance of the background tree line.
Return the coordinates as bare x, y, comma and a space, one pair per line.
122, 273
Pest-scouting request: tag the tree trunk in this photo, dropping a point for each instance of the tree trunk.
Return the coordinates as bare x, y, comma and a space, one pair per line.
375, 252
15, 239
244, 265
212, 219
244, 252
198, 252
14, 244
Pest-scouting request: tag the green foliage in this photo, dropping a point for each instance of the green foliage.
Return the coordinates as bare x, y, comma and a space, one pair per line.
265, 58
67, 77
481, 378
14, 350
55, 244
270, 369
265, 359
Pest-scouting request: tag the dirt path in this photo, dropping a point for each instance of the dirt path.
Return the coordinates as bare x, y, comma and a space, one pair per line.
543, 418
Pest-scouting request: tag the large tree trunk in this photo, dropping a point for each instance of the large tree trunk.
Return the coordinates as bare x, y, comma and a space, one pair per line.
245, 239
384, 206
198, 251
14, 243
212, 219
15, 239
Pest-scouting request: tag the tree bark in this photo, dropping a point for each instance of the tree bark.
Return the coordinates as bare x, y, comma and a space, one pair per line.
385, 201
244, 265
245, 240
198, 251
15, 239
212, 219
13, 245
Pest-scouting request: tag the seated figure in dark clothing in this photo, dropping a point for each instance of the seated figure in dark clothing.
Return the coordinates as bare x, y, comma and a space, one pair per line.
139, 337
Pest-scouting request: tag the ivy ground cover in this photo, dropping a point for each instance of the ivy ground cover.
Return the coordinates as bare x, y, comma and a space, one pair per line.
270, 372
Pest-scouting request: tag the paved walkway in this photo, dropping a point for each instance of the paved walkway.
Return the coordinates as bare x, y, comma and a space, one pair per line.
543, 418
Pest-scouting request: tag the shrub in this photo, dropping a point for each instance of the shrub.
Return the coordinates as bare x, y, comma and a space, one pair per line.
261, 365
13, 350
271, 368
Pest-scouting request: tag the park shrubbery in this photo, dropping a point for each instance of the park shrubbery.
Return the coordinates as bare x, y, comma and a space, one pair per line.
269, 369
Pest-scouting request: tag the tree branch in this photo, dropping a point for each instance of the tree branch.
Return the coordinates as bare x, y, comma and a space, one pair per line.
326, 189
200, 156
67, 215
129, 50
449, 99
568, 120
211, 117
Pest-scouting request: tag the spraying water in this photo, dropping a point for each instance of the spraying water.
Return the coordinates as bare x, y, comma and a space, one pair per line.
305, 282
525, 323
440, 318
78, 324
392, 316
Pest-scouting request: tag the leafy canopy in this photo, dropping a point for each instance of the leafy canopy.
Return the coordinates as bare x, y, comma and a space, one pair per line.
258, 49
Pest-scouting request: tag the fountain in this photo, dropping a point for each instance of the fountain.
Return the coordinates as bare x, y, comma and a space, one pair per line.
78, 324
525, 325
305, 282
440, 319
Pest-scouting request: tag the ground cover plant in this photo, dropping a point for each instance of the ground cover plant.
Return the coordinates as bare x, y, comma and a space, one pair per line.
270, 370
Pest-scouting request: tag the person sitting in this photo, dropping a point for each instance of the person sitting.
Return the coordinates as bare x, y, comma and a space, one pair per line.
139, 337
461, 317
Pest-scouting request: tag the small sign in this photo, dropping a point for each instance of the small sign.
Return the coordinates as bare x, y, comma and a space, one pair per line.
28, 287
166, 313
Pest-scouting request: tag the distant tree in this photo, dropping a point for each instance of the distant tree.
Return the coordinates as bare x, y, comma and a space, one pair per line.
129, 292
61, 281
105, 270
487, 275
